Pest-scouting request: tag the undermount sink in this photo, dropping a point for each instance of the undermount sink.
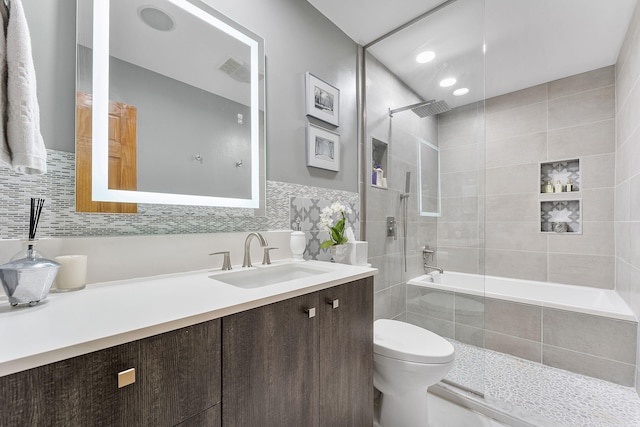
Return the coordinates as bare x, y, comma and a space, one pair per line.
265, 276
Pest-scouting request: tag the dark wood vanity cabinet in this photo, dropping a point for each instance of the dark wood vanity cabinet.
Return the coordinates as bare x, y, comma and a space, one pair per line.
306, 361
177, 380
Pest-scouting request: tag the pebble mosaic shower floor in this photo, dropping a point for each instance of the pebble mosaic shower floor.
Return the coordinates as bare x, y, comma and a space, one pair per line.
542, 395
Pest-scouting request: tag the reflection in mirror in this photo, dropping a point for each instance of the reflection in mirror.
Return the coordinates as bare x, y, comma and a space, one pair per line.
429, 178
170, 105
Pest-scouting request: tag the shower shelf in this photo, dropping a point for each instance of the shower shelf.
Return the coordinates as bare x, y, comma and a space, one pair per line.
571, 195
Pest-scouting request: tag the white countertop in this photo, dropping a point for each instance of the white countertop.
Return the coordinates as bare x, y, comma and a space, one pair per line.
111, 313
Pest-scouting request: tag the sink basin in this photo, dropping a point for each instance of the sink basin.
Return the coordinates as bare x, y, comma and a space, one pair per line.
265, 276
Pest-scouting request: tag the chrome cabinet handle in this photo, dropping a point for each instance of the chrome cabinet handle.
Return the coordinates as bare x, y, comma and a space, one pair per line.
334, 303
311, 312
127, 377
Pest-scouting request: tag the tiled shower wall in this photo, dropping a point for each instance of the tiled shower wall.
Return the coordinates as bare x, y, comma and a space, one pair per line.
461, 225
565, 119
384, 92
627, 207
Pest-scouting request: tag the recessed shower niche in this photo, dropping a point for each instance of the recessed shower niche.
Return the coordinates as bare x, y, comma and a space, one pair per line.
560, 197
379, 163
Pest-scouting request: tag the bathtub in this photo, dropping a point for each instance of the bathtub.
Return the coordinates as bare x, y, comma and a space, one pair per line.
584, 330
580, 299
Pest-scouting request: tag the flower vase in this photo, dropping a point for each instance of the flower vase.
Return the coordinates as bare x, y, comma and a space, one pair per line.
338, 253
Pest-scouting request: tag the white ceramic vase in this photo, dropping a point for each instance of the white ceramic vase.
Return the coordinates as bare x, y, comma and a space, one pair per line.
338, 253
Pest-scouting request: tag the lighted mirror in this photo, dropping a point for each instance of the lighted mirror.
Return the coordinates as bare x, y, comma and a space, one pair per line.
170, 107
429, 178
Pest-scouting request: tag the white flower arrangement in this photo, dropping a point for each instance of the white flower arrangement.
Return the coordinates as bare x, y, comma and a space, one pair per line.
337, 231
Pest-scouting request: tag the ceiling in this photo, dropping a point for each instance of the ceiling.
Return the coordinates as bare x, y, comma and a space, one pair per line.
527, 42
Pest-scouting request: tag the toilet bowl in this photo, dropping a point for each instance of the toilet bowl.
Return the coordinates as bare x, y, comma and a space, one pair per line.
407, 359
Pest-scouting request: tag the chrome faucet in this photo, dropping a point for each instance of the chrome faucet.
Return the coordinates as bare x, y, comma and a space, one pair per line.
430, 267
247, 247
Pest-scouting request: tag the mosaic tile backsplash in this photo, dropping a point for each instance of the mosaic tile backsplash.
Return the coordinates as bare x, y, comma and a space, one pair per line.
59, 218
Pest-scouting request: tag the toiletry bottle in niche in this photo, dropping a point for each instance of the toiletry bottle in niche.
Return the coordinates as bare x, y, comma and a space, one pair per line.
569, 185
379, 175
374, 176
558, 187
548, 187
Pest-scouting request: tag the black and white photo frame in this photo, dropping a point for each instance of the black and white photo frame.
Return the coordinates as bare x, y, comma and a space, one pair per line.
322, 100
323, 148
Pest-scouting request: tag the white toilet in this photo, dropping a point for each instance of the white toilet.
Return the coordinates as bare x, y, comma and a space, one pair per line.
407, 359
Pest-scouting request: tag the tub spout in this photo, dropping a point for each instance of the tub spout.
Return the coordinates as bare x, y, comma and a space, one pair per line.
430, 267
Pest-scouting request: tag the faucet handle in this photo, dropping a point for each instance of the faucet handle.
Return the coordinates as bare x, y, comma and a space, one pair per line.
226, 263
267, 259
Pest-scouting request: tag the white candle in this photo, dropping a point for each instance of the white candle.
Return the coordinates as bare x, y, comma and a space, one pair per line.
72, 273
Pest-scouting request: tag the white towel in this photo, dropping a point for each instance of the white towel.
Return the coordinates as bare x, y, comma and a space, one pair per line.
5, 152
28, 153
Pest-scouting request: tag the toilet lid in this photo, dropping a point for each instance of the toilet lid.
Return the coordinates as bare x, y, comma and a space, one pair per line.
403, 341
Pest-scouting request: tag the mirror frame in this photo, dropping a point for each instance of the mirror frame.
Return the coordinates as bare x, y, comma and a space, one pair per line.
423, 143
100, 147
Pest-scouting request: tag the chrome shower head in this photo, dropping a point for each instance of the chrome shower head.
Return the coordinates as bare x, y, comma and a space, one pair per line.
424, 109
431, 109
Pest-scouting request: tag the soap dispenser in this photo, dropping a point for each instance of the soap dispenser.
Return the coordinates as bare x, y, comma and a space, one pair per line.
298, 242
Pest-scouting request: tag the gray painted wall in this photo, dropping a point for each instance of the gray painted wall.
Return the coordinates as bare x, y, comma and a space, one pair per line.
297, 39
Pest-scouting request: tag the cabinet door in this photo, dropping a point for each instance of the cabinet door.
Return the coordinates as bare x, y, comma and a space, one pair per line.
270, 365
80, 391
178, 374
346, 354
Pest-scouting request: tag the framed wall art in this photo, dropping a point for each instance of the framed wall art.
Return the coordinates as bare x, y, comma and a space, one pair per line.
323, 148
323, 100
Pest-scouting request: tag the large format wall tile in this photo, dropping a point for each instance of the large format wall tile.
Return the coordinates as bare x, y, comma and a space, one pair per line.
500, 317
526, 349
583, 140
517, 264
500, 235
586, 270
583, 82
581, 108
518, 121
521, 149
596, 335
598, 171
586, 364
509, 101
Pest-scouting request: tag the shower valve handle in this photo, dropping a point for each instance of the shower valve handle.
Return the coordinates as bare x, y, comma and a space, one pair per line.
391, 228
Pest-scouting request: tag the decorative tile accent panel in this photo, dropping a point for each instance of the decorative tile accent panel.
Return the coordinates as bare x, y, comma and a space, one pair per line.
308, 212
566, 211
59, 218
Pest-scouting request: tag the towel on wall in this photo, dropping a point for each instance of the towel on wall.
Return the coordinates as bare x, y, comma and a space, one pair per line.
23, 138
5, 152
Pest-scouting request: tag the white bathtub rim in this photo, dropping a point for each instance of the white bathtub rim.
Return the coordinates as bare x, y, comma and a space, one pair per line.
621, 311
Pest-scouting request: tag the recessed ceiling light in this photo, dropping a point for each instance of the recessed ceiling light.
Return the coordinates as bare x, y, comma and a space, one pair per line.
425, 57
461, 91
156, 18
448, 82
